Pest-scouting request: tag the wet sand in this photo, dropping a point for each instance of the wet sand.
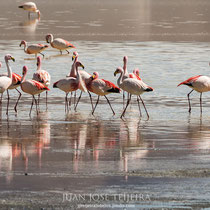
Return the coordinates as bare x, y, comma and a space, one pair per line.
79, 161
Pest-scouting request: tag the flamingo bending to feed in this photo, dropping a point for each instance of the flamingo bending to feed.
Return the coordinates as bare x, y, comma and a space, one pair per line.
59, 43
31, 87
33, 48
6, 81
70, 84
132, 86
198, 83
41, 75
101, 87
30, 7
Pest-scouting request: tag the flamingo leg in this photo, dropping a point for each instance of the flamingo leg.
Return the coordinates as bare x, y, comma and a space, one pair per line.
91, 99
20, 94
188, 97
78, 101
75, 95
123, 98
139, 106
1, 97
144, 106
128, 101
7, 102
36, 105
110, 105
70, 100
95, 105
46, 99
201, 102
32, 103
66, 103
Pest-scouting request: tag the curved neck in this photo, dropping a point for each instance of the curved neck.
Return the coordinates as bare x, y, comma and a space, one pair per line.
80, 81
119, 81
25, 46
73, 72
9, 70
23, 78
39, 65
50, 38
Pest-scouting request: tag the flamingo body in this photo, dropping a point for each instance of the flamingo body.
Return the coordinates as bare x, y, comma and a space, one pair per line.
33, 48
30, 7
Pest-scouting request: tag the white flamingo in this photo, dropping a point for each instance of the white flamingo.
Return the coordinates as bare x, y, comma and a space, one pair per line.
6, 81
132, 86
31, 87
59, 43
30, 7
70, 84
33, 48
41, 75
198, 83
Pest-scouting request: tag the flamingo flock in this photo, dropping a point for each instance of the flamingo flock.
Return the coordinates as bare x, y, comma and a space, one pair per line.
80, 79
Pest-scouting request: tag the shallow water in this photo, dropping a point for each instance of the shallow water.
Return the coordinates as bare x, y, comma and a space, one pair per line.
165, 159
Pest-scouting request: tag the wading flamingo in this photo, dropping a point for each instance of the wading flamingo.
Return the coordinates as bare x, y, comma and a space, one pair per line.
132, 86
33, 48
101, 87
59, 43
198, 83
30, 7
31, 87
84, 75
70, 84
6, 81
41, 75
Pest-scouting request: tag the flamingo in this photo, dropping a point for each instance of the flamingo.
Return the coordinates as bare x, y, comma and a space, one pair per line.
6, 80
101, 87
31, 87
70, 84
135, 74
132, 86
41, 75
33, 48
198, 83
30, 7
59, 43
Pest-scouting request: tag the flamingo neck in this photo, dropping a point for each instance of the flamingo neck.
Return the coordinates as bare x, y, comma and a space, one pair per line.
119, 81
25, 46
39, 65
125, 67
9, 70
23, 78
50, 38
73, 72
80, 81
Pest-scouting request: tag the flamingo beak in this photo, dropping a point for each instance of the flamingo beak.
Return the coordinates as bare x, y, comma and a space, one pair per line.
73, 57
20, 44
115, 73
13, 59
82, 66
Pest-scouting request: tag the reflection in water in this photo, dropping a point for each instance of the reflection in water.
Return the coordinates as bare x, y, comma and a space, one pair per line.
30, 25
20, 143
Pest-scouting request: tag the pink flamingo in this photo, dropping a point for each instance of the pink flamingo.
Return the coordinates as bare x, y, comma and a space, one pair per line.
41, 75
198, 83
84, 75
30, 7
132, 86
6, 80
135, 74
33, 48
101, 87
70, 84
31, 87
59, 43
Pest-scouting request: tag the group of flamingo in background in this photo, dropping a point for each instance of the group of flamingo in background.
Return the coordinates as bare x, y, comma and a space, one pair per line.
80, 79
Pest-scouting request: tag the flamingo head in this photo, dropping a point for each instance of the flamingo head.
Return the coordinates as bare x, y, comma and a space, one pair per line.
39, 59
23, 42
48, 38
137, 72
9, 57
125, 59
95, 75
75, 54
25, 69
118, 71
79, 64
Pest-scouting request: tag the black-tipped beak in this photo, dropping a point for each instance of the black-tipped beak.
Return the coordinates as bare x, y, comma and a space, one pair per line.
13, 59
